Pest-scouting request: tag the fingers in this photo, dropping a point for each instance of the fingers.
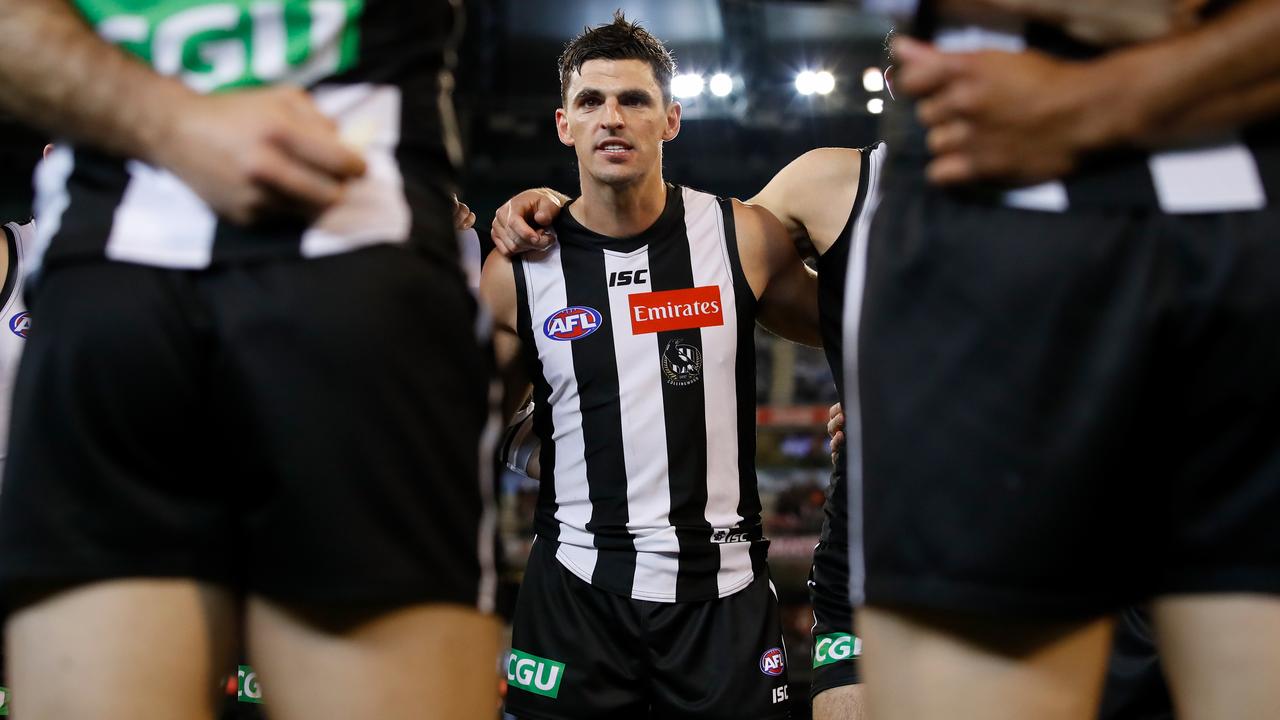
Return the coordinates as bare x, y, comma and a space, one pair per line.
951, 169
834, 410
463, 218
835, 424
311, 190
953, 136
924, 70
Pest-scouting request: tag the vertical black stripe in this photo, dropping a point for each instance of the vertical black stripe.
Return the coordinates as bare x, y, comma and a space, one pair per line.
685, 412
232, 243
595, 366
745, 371
96, 187
544, 521
833, 267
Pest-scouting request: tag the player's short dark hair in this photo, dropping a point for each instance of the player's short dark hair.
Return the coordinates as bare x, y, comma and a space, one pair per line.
618, 40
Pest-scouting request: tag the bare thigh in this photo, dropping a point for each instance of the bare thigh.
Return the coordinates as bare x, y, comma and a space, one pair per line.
1221, 654
133, 649
420, 661
839, 703
924, 666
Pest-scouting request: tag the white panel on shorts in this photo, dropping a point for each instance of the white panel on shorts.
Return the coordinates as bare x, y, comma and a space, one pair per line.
161, 221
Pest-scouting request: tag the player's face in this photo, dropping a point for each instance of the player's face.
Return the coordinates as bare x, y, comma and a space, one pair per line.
615, 119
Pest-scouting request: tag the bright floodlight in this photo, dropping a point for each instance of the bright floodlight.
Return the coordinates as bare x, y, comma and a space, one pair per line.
824, 82
807, 82
721, 84
873, 79
875, 106
687, 85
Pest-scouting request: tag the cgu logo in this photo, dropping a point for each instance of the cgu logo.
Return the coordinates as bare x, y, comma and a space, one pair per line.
218, 45
835, 647
249, 691
531, 673
572, 323
772, 662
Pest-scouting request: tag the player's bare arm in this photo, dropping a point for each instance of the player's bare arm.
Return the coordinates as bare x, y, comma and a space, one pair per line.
1102, 22
248, 154
787, 290
1029, 117
814, 194
498, 292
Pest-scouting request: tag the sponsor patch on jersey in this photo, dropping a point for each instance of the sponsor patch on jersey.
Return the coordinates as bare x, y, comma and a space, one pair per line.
247, 688
722, 536
4, 701
675, 309
20, 324
772, 662
572, 323
531, 673
835, 647
681, 363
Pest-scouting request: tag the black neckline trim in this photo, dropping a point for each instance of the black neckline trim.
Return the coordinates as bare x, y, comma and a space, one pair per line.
569, 230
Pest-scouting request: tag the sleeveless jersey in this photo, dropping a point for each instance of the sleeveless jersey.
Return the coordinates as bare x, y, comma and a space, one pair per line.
642, 356
832, 273
1228, 172
378, 68
16, 322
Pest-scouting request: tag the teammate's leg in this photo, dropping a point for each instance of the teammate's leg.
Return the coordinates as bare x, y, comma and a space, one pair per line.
839, 703
934, 666
122, 649
418, 661
1220, 653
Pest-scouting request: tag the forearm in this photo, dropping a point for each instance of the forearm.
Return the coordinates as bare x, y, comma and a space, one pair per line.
61, 77
1232, 61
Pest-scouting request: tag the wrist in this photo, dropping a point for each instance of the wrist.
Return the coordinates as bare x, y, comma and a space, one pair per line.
157, 131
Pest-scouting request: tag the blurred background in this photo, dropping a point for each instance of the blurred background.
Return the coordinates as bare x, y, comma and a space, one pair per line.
761, 82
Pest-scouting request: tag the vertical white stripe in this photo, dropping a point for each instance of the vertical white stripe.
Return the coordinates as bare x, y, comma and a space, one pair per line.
644, 437
1045, 197
855, 282
51, 201
374, 208
161, 221
546, 295
1221, 178
270, 40
704, 223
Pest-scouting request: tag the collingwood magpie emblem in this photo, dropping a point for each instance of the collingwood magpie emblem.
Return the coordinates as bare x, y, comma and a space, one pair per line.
681, 363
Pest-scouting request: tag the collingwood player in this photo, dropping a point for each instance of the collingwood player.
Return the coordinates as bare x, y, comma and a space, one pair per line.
1068, 401
647, 592
205, 388
15, 321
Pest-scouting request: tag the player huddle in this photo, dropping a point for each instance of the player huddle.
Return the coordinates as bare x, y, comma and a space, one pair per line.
1049, 304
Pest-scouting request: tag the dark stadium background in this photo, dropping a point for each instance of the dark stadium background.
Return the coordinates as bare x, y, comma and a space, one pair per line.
507, 91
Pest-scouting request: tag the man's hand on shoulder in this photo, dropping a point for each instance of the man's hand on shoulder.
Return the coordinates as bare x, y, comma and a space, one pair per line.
257, 154
521, 224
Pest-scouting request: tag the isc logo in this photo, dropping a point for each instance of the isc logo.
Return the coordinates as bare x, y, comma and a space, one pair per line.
628, 277
772, 662
572, 323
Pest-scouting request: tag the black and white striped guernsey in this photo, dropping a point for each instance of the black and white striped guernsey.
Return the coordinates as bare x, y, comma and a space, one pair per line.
642, 356
377, 67
1228, 172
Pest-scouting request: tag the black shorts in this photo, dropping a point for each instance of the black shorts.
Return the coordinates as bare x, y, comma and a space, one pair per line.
581, 652
325, 414
1064, 414
835, 647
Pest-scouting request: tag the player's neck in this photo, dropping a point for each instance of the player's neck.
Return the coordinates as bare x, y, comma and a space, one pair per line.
621, 211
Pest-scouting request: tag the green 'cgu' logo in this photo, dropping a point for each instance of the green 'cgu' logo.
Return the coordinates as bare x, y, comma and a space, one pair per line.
247, 688
4, 701
531, 673
233, 43
834, 647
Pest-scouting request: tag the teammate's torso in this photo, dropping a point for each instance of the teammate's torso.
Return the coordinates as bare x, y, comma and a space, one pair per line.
374, 66
642, 356
15, 321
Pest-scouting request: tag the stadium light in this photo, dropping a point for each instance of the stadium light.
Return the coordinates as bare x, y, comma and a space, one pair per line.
875, 106
873, 80
687, 85
807, 82
824, 82
721, 84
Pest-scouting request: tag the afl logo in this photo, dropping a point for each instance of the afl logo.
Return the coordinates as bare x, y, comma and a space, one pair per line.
572, 323
20, 324
772, 662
